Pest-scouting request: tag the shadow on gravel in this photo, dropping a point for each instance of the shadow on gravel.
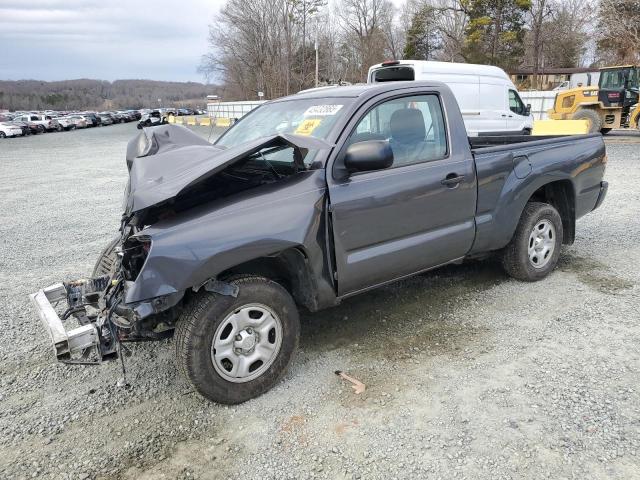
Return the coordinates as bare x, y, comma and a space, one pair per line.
593, 274
390, 321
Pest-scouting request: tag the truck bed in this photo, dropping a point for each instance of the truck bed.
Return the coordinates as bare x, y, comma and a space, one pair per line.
495, 140
507, 167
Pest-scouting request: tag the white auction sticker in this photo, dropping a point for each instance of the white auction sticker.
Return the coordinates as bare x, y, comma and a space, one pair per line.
322, 110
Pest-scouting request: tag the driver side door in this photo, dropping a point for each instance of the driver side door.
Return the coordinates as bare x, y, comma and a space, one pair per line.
409, 217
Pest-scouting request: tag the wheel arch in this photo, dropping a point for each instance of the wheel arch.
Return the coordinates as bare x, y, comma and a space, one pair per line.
561, 195
290, 268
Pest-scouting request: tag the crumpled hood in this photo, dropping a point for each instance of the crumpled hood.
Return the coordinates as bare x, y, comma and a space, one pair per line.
165, 160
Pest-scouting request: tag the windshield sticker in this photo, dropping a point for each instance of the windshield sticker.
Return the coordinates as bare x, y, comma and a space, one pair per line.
307, 126
322, 110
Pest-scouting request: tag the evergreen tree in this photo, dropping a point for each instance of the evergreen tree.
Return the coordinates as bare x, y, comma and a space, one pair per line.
423, 37
495, 33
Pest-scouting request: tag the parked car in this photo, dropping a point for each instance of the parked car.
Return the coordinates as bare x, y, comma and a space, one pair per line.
7, 129
153, 118
105, 119
487, 97
361, 186
23, 126
93, 120
79, 121
128, 115
66, 123
46, 123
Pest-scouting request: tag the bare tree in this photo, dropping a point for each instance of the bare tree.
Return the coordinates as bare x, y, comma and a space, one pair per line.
540, 11
619, 31
364, 22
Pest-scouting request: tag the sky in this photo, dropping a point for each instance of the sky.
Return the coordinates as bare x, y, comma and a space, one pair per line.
104, 39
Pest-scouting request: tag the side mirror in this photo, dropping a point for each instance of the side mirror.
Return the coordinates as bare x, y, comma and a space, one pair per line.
527, 110
368, 155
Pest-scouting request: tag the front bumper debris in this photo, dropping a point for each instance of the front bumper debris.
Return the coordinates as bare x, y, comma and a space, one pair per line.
93, 338
65, 342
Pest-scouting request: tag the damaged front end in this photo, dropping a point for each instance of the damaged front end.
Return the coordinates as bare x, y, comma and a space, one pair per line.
164, 251
87, 319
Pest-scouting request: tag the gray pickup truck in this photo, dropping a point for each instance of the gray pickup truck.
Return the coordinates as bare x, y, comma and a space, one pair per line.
305, 201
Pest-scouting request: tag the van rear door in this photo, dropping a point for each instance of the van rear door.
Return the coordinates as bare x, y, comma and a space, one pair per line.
493, 107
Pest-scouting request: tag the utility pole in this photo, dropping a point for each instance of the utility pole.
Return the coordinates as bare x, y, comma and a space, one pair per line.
304, 40
316, 45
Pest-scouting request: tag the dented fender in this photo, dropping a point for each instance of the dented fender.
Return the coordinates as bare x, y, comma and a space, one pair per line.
190, 249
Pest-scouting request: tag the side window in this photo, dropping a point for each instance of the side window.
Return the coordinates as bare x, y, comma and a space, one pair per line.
414, 127
515, 104
34, 118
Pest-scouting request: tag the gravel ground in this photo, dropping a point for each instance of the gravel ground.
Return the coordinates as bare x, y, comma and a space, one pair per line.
469, 374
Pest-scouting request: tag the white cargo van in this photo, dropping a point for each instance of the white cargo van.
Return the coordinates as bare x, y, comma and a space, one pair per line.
489, 101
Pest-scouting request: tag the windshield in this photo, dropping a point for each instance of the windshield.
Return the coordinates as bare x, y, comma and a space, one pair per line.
310, 117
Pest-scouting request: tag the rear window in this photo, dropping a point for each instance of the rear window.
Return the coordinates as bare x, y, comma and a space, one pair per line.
393, 74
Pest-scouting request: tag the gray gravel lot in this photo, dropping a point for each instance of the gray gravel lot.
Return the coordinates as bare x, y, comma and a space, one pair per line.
469, 374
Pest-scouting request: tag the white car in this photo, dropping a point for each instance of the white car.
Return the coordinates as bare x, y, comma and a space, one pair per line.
488, 99
66, 123
78, 120
46, 123
8, 130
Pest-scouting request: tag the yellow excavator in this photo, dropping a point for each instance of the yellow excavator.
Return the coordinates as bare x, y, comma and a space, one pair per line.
612, 104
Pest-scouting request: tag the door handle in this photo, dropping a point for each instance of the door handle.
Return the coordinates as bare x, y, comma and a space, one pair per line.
452, 180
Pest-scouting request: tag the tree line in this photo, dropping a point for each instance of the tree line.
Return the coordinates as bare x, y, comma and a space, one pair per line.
269, 45
99, 95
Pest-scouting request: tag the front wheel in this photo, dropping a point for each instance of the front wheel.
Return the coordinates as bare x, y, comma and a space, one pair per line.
108, 260
233, 349
593, 119
535, 247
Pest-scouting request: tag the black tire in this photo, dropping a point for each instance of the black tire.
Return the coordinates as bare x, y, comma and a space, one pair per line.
595, 122
107, 261
515, 257
197, 326
41, 129
3, 135
604, 131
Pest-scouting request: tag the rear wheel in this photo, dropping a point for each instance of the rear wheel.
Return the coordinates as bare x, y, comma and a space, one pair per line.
535, 247
594, 120
3, 135
233, 349
41, 129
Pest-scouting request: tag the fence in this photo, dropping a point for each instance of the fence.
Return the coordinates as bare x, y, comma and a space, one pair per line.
231, 110
540, 102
